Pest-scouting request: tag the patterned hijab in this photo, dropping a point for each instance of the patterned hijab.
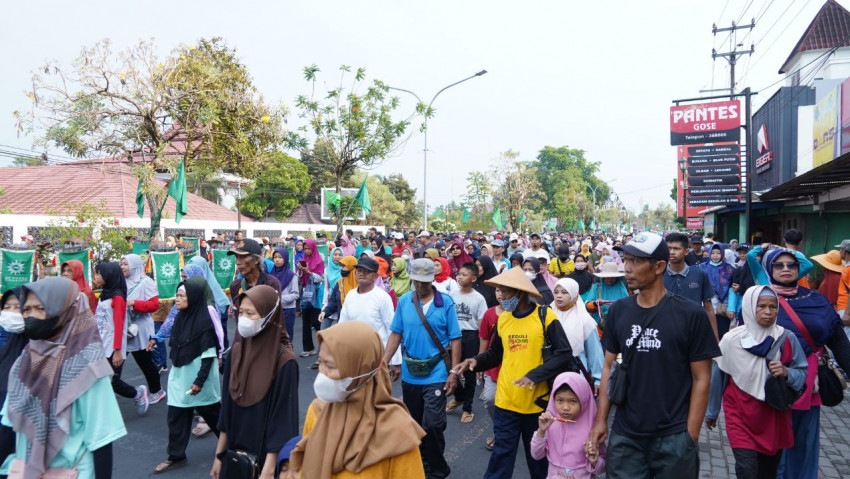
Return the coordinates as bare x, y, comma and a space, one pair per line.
53, 373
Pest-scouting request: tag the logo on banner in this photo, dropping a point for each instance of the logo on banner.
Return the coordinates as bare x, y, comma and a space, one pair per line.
225, 263
168, 270
761, 140
764, 162
16, 267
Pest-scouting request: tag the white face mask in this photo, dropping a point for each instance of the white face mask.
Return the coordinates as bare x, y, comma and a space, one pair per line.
12, 321
336, 390
581, 266
248, 328
531, 276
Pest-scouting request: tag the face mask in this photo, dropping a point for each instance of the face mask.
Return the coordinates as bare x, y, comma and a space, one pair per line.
12, 322
35, 328
581, 266
336, 390
530, 275
345, 273
510, 304
248, 328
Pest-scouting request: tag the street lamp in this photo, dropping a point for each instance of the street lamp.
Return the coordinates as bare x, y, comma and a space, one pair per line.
425, 129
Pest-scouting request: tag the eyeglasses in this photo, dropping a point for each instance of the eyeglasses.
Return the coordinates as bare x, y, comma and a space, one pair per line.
455, 249
779, 265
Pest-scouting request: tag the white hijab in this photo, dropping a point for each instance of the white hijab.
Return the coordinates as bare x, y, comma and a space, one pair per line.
576, 321
748, 370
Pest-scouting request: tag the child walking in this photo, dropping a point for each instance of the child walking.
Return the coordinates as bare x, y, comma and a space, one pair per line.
564, 428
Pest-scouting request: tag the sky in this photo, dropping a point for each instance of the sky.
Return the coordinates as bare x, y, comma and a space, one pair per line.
597, 76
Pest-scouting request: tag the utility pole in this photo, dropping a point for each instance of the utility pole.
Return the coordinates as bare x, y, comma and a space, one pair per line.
732, 56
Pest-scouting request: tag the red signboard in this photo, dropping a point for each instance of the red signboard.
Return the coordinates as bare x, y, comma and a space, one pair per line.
705, 123
694, 223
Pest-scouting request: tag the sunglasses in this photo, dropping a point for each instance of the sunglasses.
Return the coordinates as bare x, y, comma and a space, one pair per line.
779, 265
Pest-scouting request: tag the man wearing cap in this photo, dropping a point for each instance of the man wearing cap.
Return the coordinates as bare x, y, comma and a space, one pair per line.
669, 345
536, 249
499, 260
688, 281
424, 393
514, 246
516, 344
425, 243
398, 244
844, 287
696, 255
248, 257
370, 304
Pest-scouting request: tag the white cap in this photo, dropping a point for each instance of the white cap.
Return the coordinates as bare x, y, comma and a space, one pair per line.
398, 235
514, 237
425, 234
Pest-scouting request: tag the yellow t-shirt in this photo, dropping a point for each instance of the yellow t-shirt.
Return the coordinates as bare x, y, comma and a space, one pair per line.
522, 344
558, 267
407, 465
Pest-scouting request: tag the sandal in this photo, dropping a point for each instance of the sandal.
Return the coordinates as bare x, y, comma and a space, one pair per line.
466, 417
166, 465
201, 428
452, 405
488, 443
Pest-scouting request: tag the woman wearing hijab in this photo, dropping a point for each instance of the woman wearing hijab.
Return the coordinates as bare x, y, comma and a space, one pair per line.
752, 353
579, 327
400, 281
12, 321
348, 249
442, 277
333, 269
75, 271
299, 250
142, 300
379, 249
347, 282
194, 349
346, 429
719, 274
582, 276
532, 269
516, 260
288, 287
610, 288
222, 302
457, 257
62, 406
432, 253
259, 392
562, 265
486, 271
383, 282
311, 271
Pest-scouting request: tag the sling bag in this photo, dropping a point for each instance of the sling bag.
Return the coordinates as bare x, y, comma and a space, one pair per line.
423, 367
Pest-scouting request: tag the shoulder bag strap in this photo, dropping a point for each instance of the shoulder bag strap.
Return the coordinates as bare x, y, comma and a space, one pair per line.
541, 312
428, 328
797, 322
644, 326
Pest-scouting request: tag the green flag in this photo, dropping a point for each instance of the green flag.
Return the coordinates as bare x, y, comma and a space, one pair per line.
81, 256
362, 198
465, 215
17, 269
166, 272
332, 199
522, 217
438, 213
497, 218
140, 200
580, 225
224, 267
140, 248
177, 190
323, 252
592, 225
195, 242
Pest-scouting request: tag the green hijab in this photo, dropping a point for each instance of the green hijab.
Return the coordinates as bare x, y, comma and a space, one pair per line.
400, 280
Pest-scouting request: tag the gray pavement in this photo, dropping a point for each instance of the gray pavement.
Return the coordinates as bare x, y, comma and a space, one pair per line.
137, 454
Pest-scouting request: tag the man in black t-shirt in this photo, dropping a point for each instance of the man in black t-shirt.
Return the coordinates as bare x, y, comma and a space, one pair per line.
670, 344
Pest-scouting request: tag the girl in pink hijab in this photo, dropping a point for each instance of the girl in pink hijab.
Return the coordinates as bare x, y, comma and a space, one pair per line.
564, 428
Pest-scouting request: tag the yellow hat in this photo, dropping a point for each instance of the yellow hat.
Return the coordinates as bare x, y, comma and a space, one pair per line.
830, 261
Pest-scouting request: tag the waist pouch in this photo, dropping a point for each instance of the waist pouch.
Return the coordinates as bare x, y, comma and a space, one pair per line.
421, 367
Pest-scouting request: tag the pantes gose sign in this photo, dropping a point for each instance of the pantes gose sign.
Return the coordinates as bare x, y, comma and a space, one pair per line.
705, 123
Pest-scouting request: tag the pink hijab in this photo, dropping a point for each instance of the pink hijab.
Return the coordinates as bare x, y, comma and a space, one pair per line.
346, 246
315, 263
565, 441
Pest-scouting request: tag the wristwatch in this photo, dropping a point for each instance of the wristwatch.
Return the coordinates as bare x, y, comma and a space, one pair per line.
452, 371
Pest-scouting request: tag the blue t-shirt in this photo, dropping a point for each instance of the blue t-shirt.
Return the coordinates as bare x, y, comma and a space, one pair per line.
692, 283
416, 342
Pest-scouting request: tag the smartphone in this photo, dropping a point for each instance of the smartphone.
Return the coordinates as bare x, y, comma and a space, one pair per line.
302, 263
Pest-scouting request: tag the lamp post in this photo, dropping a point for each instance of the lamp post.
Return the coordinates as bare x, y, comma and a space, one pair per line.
425, 130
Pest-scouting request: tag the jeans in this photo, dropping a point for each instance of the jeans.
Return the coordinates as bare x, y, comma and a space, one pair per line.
489, 395
223, 314
750, 464
289, 319
510, 428
427, 406
159, 356
143, 359
309, 321
667, 457
801, 461
465, 393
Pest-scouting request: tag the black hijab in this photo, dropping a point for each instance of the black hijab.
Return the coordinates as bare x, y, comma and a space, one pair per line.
193, 331
540, 283
584, 278
13, 347
564, 253
379, 242
518, 257
490, 272
113, 281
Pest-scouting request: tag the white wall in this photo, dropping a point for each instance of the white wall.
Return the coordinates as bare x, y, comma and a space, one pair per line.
836, 67
805, 127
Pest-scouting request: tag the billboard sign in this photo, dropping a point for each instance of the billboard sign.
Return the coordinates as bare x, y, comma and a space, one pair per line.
845, 116
705, 123
713, 200
714, 160
714, 180
714, 150
824, 146
714, 170
715, 190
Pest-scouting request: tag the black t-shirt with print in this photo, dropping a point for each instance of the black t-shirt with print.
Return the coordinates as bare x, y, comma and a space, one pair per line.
659, 387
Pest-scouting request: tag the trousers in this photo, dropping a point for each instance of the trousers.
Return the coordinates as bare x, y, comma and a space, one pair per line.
143, 359
180, 427
750, 464
465, 393
667, 457
427, 405
509, 429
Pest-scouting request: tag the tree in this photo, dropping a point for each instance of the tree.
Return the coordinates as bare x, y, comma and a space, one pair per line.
404, 193
198, 106
516, 183
386, 208
30, 160
566, 178
95, 225
346, 129
279, 190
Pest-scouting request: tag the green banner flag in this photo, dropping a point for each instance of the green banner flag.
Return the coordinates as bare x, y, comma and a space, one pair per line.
195, 242
17, 269
522, 217
224, 267
362, 198
333, 200
592, 225
81, 256
140, 248
140, 200
323, 251
166, 272
497, 218
177, 190
580, 225
291, 253
465, 215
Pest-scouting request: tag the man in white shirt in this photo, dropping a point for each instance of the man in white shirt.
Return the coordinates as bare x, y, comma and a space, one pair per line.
370, 304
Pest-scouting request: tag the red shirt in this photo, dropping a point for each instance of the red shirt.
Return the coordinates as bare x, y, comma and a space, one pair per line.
485, 331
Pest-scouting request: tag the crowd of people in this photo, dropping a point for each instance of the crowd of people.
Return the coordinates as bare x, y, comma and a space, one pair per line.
550, 331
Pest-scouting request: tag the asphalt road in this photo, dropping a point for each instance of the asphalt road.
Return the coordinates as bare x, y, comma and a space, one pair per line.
136, 454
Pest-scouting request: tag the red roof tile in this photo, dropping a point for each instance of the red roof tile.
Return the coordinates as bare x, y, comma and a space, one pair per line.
309, 213
830, 27
32, 190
